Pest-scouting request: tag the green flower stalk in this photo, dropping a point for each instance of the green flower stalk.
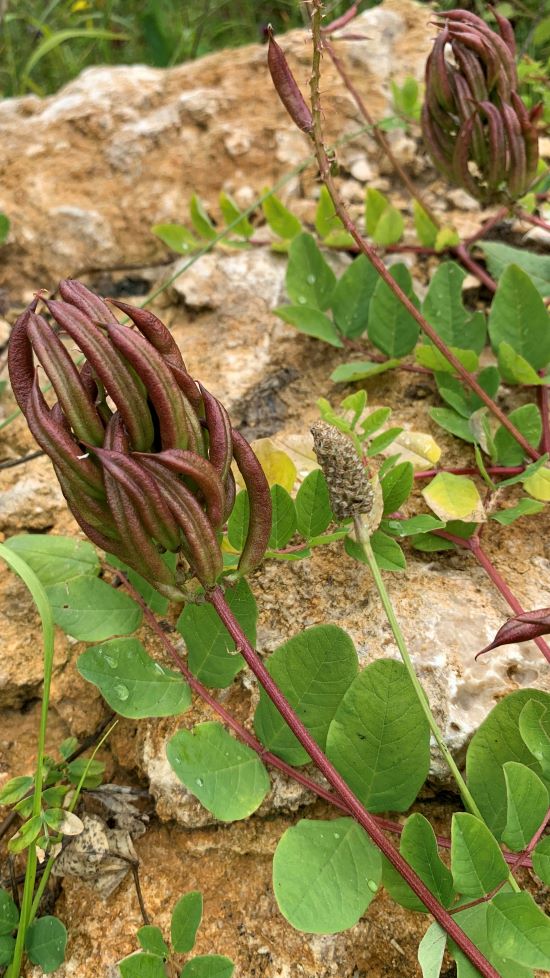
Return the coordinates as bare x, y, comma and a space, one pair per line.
142, 451
478, 132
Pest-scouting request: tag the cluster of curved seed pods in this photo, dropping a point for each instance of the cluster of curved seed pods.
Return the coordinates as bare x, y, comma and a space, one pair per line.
477, 130
142, 452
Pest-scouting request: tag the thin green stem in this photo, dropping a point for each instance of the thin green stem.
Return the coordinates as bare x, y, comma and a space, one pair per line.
49, 865
30, 579
467, 797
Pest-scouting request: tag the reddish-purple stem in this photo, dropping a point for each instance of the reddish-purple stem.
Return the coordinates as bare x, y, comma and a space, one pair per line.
538, 222
473, 545
356, 809
491, 470
544, 408
461, 252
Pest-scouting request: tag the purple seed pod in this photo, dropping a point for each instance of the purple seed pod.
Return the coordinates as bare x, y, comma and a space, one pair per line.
476, 129
286, 86
142, 452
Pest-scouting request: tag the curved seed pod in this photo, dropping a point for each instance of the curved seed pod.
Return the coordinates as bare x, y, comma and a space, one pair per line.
165, 396
88, 302
111, 369
496, 169
60, 446
116, 439
230, 494
286, 87
460, 159
154, 331
145, 496
259, 527
203, 474
20, 358
468, 109
94, 512
506, 31
517, 172
437, 70
530, 139
66, 381
472, 72
200, 544
96, 392
141, 553
220, 448
432, 139
96, 536
188, 387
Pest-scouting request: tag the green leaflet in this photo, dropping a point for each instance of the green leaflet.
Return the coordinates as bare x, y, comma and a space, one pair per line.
391, 328
444, 310
91, 610
501, 256
351, 297
225, 775
325, 874
9, 914
143, 964
283, 521
527, 420
396, 486
314, 669
519, 317
309, 279
208, 966
186, 918
45, 943
519, 929
150, 939
527, 804
475, 923
541, 860
418, 845
379, 738
131, 681
431, 950
476, 860
211, 649
313, 511
497, 741
55, 559
310, 321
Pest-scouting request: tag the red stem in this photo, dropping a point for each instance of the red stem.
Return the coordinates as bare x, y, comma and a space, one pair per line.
491, 470
473, 545
356, 809
544, 408
533, 219
461, 252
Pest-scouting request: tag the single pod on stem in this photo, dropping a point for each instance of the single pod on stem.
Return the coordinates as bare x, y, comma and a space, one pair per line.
286, 86
142, 452
478, 132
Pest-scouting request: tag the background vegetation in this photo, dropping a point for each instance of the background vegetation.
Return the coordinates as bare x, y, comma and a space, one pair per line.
44, 45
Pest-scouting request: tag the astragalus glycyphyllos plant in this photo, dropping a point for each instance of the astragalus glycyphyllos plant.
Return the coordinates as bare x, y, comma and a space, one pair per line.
130, 434
314, 702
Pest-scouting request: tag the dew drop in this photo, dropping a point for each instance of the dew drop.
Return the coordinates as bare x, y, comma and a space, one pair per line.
302, 300
110, 661
199, 782
336, 835
310, 279
372, 885
122, 691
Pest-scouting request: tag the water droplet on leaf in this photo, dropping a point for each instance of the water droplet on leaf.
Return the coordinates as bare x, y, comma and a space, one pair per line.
372, 885
199, 782
122, 691
310, 279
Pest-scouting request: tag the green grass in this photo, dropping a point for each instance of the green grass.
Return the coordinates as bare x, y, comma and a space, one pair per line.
43, 45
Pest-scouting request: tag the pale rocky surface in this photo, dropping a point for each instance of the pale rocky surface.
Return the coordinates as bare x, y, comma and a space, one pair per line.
84, 176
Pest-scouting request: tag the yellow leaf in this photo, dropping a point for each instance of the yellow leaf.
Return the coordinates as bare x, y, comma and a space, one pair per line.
79, 5
538, 485
278, 467
454, 497
416, 447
